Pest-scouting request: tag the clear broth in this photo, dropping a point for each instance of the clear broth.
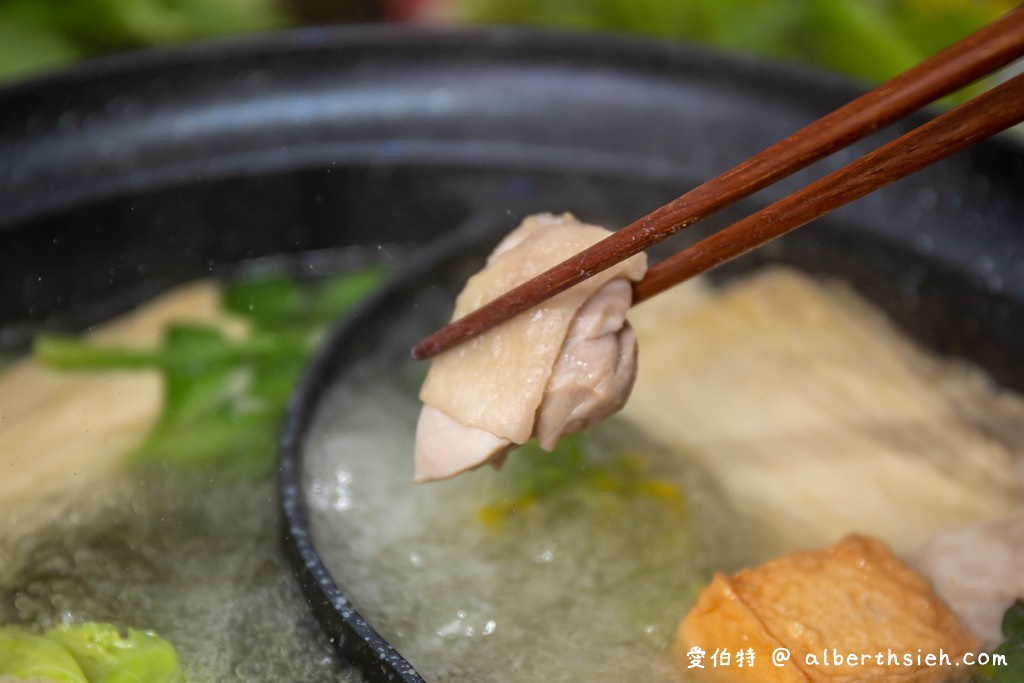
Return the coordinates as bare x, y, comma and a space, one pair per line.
470, 580
198, 562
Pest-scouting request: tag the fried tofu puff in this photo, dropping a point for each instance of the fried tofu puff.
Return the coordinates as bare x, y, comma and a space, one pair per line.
851, 612
555, 369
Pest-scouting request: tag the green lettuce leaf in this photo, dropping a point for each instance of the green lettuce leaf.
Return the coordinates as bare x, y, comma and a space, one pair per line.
870, 39
27, 655
224, 399
108, 657
1012, 649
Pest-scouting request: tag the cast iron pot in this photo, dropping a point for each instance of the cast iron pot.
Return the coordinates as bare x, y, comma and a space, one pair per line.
127, 175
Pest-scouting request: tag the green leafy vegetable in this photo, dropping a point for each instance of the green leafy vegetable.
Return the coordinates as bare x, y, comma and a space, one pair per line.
534, 475
1012, 648
1013, 621
223, 398
272, 304
108, 657
27, 655
88, 653
871, 39
28, 47
40, 34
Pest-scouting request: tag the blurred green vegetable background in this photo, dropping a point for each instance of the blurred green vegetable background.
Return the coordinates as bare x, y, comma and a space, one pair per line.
869, 39
37, 35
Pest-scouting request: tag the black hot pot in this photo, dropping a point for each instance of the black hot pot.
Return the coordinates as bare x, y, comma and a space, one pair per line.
126, 175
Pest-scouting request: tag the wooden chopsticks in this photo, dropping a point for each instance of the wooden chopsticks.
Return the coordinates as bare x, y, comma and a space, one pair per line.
977, 55
984, 116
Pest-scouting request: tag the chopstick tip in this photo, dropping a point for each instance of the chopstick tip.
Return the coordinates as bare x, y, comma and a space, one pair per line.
433, 344
421, 351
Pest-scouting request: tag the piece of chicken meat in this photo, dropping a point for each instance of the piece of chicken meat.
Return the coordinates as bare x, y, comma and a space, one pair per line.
979, 572
558, 368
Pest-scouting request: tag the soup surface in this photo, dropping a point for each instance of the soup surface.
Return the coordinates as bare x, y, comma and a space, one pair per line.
561, 567
578, 565
138, 486
197, 562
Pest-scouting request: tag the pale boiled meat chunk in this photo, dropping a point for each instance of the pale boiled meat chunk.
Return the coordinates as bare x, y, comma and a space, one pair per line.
594, 374
979, 572
554, 369
445, 447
